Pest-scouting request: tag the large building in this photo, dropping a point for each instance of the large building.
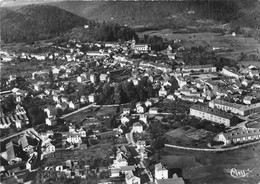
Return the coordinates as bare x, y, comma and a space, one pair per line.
240, 109
213, 115
197, 68
230, 72
239, 136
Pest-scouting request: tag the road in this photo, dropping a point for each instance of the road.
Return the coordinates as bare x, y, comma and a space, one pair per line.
213, 150
16, 134
130, 139
81, 109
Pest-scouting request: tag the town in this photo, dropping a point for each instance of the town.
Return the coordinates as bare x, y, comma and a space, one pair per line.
104, 113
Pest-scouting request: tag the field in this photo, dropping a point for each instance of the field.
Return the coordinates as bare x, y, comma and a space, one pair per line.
91, 112
237, 44
189, 136
248, 63
204, 167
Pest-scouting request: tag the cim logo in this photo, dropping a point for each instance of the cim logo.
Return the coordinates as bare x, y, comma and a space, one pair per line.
239, 173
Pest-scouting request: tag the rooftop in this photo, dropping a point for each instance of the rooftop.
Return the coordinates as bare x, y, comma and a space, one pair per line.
212, 111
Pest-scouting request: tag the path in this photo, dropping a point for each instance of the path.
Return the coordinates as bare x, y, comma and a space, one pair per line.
81, 109
212, 150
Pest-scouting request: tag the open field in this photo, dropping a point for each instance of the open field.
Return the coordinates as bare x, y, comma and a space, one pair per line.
248, 63
205, 167
91, 112
189, 136
237, 44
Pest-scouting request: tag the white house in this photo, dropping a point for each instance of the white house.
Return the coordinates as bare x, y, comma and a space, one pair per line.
93, 78
153, 110
148, 103
162, 92
137, 127
55, 71
130, 178
124, 120
140, 109
126, 110
248, 100
92, 98
143, 118
160, 172
50, 148
170, 97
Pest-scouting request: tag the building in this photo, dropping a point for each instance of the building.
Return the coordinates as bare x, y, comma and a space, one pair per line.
92, 98
197, 68
248, 100
239, 136
213, 115
153, 110
242, 110
14, 152
230, 72
130, 178
254, 73
225, 106
140, 108
160, 172
93, 78
137, 127
104, 78
162, 92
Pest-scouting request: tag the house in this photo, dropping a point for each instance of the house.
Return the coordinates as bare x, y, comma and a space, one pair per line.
171, 97
162, 92
73, 105
115, 172
126, 119
126, 110
174, 180
248, 100
72, 137
81, 79
153, 110
143, 118
254, 73
140, 108
213, 115
160, 172
14, 152
148, 103
230, 72
137, 127
93, 78
83, 99
62, 105
64, 99
92, 98
130, 178
239, 136
49, 148
104, 78
256, 85
24, 143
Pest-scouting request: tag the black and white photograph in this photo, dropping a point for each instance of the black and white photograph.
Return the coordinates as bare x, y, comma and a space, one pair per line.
130, 92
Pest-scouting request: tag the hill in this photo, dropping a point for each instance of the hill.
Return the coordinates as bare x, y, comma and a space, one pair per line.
35, 22
169, 14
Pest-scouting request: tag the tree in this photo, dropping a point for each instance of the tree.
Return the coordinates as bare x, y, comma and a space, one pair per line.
9, 104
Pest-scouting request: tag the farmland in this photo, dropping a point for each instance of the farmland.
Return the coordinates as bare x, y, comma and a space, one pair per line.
232, 46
